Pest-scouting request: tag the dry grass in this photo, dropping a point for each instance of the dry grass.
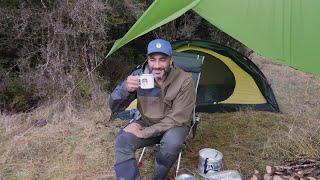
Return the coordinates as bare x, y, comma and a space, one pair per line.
76, 144
296, 91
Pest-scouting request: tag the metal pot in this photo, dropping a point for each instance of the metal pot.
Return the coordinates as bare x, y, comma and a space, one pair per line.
226, 175
186, 177
185, 174
210, 162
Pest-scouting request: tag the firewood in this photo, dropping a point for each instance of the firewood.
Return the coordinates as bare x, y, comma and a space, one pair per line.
269, 169
295, 167
279, 173
286, 177
276, 177
303, 168
309, 170
267, 177
299, 174
311, 178
292, 178
254, 177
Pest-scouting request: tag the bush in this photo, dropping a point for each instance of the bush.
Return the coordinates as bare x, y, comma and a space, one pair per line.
17, 97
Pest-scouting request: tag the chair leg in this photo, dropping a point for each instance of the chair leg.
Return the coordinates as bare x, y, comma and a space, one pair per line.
178, 165
140, 158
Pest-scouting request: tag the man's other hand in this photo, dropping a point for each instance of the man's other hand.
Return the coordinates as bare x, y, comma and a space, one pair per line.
132, 83
135, 129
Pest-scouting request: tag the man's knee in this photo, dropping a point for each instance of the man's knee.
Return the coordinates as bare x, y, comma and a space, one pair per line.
173, 140
124, 147
125, 140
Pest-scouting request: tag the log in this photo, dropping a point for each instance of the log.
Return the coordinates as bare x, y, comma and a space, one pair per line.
267, 177
297, 166
299, 174
276, 177
269, 169
292, 178
254, 177
280, 173
311, 178
301, 169
286, 177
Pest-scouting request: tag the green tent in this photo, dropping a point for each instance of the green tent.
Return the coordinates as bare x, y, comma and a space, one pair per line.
284, 30
229, 81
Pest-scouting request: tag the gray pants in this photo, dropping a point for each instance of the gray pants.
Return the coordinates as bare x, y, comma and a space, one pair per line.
171, 143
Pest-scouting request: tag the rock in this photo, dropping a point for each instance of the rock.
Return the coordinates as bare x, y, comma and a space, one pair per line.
40, 123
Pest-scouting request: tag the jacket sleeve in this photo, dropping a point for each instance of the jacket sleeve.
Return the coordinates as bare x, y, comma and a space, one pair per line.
180, 114
120, 98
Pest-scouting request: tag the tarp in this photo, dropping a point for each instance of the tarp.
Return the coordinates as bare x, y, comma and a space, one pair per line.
284, 30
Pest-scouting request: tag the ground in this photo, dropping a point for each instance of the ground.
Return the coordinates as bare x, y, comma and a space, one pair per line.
77, 143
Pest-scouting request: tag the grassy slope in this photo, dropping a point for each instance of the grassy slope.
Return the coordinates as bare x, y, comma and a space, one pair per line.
75, 144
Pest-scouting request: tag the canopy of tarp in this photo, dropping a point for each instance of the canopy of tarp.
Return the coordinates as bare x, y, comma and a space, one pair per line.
285, 30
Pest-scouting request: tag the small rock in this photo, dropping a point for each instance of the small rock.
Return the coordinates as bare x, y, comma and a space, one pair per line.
40, 122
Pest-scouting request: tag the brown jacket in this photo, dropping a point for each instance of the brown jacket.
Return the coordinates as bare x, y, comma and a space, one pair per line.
168, 106
161, 108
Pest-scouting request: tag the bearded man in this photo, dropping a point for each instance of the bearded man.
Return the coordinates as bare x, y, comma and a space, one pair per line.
166, 113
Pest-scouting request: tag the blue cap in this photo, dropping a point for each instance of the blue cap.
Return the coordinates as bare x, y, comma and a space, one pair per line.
160, 45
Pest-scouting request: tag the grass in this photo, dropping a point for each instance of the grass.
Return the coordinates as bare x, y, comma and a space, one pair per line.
73, 145
248, 140
76, 144
81, 147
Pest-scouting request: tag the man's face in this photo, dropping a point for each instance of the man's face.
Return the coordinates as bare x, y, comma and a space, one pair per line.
159, 64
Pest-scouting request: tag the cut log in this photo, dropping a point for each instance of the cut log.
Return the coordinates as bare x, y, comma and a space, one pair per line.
267, 177
254, 177
292, 178
279, 173
301, 169
311, 178
269, 169
276, 177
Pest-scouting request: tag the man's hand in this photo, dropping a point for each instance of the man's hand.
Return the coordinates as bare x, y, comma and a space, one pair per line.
135, 129
132, 83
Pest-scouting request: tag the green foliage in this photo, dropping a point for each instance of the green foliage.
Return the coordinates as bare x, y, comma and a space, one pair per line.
117, 68
8, 56
50, 45
17, 4
16, 97
11, 4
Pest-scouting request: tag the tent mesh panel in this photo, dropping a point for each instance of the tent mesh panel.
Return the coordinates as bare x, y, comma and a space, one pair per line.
217, 81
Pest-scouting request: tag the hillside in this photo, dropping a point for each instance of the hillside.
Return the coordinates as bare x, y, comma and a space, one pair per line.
61, 141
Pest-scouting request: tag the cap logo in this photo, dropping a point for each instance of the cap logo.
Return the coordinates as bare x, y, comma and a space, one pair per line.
158, 45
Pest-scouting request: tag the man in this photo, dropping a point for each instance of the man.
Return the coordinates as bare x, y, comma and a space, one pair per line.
166, 113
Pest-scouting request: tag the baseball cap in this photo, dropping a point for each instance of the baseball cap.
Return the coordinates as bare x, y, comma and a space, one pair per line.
159, 45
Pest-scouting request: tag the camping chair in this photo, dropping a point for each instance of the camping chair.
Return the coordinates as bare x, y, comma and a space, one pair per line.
190, 63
